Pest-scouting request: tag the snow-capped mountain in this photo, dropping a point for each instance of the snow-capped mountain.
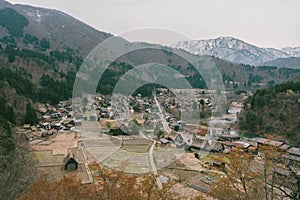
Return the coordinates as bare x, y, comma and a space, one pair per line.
235, 50
292, 51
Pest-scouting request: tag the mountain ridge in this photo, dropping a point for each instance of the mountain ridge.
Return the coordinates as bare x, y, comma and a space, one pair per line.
236, 50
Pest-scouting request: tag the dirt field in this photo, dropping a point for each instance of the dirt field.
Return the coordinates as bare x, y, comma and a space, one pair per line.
59, 143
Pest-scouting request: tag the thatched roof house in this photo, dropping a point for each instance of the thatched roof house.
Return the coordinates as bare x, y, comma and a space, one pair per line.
70, 163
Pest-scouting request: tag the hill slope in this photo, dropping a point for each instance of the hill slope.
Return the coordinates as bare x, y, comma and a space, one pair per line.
293, 62
275, 110
61, 29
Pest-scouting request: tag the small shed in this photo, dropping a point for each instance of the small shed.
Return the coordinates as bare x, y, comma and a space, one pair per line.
164, 141
46, 125
70, 163
228, 137
268, 142
284, 147
199, 143
26, 126
176, 138
29, 135
218, 164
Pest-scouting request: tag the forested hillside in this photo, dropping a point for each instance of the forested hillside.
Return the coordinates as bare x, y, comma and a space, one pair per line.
274, 111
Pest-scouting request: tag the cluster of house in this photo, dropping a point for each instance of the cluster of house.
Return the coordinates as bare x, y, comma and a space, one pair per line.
53, 120
139, 103
61, 117
188, 100
288, 154
196, 143
107, 111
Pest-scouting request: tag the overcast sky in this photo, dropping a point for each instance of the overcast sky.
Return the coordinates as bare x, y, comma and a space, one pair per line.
266, 23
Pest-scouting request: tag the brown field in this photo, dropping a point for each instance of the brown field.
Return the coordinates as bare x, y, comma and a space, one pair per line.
60, 143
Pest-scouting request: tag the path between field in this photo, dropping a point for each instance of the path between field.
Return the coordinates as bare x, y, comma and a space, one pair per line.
152, 164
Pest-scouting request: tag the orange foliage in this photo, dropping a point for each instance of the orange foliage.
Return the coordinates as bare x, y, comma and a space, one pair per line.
149, 189
108, 184
68, 188
113, 184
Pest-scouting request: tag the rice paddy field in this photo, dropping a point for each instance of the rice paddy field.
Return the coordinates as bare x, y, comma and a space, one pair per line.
135, 162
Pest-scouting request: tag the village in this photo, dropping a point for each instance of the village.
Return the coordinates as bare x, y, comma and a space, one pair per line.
149, 134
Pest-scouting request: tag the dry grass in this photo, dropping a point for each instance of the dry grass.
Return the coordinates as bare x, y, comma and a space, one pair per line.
57, 172
46, 158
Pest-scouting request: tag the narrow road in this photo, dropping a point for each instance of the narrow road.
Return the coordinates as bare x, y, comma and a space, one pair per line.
151, 159
162, 118
63, 119
168, 130
89, 173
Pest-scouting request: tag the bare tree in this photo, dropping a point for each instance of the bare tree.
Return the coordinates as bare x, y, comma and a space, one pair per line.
253, 177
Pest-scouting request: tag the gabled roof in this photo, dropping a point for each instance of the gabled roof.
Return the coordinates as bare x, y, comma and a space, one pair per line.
26, 126
229, 137
29, 135
284, 147
282, 171
69, 156
178, 136
172, 135
237, 144
269, 142
199, 143
216, 146
294, 150
164, 141
291, 157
